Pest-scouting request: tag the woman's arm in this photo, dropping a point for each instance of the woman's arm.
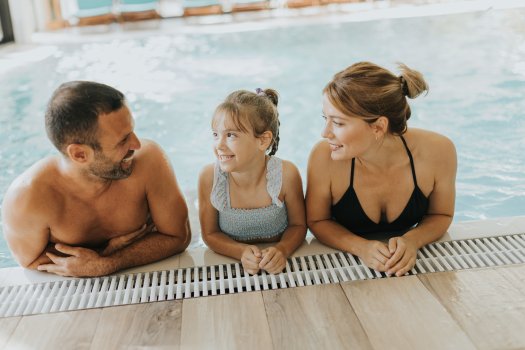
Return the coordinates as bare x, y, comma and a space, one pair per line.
440, 211
318, 212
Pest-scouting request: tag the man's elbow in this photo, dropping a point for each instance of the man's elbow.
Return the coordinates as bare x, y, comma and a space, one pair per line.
183, 240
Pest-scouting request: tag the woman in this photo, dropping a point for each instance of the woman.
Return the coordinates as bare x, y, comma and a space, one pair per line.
376, 188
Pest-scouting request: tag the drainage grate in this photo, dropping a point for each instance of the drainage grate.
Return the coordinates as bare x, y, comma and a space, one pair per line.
191, 282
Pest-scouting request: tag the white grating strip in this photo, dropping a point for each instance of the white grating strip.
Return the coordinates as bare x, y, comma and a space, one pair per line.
193, 282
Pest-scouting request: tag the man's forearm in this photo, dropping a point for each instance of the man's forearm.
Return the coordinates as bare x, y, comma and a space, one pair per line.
150, 248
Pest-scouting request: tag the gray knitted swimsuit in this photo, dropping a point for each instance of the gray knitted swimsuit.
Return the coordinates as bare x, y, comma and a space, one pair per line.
249, 224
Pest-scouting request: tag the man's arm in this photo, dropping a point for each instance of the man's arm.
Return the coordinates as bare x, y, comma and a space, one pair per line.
168, 211
24, 223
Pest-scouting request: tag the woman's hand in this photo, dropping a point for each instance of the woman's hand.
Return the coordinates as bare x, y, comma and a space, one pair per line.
273, 260
375, 255
250, 259
404, 253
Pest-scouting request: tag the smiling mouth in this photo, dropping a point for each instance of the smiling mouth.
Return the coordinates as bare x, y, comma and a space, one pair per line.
334, 147
128, 157
224, 158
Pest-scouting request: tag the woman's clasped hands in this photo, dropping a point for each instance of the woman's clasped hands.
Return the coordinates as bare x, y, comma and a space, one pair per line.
396, 257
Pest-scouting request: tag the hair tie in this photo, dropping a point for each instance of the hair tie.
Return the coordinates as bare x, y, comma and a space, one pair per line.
260, 92
404, 86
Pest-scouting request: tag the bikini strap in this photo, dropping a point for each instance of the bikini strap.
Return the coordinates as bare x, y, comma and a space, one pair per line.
352, 174
411, 160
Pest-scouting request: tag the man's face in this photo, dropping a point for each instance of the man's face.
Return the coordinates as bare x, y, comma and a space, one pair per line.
118, 142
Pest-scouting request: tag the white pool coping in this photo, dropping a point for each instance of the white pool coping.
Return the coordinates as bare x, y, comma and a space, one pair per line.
203, 256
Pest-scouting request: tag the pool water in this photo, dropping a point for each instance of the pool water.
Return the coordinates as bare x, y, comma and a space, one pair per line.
474, 64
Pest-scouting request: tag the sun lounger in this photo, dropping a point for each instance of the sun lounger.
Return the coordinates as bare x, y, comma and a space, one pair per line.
136, 10
95, 12
249, 5
201, 7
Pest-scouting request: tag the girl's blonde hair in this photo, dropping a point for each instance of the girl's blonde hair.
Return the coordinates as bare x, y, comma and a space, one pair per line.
368, 91
258, 110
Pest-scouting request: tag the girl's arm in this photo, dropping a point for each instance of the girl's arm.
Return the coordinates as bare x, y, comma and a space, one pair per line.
318, 213
274, 258
214, 238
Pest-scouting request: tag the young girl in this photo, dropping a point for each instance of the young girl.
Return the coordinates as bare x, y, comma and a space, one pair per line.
250, 196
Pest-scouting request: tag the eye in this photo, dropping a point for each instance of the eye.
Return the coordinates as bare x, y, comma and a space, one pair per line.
324, 117
337, 123
215, 135
231, 134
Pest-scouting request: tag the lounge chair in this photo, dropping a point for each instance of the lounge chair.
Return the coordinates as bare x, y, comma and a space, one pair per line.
250, 5
201, 7
136, 10
95, 12
301, 3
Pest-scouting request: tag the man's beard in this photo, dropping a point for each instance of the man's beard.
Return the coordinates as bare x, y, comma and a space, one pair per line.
104, 168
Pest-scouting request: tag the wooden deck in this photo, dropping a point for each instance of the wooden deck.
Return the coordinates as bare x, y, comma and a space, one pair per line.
483, 309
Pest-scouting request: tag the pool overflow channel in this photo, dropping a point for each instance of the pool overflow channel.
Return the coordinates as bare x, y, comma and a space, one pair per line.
192, 282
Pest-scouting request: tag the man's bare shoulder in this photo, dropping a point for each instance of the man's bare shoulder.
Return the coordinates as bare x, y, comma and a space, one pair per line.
150, 157
35, 190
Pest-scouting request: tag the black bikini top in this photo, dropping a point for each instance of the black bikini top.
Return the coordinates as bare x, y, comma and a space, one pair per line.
349, 213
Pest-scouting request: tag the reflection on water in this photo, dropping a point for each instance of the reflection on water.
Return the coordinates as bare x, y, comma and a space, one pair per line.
474, 64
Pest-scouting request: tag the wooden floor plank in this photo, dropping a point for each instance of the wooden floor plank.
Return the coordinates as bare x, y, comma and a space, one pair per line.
152, 325
489, 304
234, 321
7, 327
64, 330
315, 317
400, 313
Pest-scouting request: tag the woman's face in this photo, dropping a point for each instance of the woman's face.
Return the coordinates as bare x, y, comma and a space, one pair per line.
348, 136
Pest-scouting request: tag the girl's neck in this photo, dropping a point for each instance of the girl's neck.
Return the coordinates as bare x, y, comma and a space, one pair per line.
253, 176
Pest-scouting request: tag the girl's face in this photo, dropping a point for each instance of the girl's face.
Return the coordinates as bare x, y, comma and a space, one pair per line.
348, 136
235, 149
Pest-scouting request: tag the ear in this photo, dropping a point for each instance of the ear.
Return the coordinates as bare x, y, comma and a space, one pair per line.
79, 153
265, 140
380, 127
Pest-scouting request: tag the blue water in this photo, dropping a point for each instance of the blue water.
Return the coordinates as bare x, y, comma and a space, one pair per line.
474, 64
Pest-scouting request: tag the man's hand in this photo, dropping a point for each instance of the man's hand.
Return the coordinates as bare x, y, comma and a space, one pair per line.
250, 259
122, 241
375, 255
404, 256
80, 262
273, 260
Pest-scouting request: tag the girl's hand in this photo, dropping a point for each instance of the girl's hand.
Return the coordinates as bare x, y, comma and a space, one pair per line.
273, 260
375, 255
250, 259
404, 253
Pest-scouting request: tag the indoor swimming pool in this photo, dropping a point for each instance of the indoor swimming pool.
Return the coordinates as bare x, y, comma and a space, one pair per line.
474, 64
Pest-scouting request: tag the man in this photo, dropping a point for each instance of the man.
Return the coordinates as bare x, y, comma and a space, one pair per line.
109, 200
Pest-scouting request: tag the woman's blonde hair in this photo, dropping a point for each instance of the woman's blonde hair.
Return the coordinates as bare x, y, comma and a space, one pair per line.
258, 110
368, 91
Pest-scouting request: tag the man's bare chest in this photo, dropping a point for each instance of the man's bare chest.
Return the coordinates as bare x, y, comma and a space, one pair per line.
93, 223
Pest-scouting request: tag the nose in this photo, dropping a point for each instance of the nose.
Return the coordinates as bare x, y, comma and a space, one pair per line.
135, 142
219, 142
327, 131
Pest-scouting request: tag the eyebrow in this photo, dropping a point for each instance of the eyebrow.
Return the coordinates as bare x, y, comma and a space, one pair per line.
333, 116
228, 130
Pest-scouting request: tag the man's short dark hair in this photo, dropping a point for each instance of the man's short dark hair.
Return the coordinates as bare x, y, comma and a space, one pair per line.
72, 113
